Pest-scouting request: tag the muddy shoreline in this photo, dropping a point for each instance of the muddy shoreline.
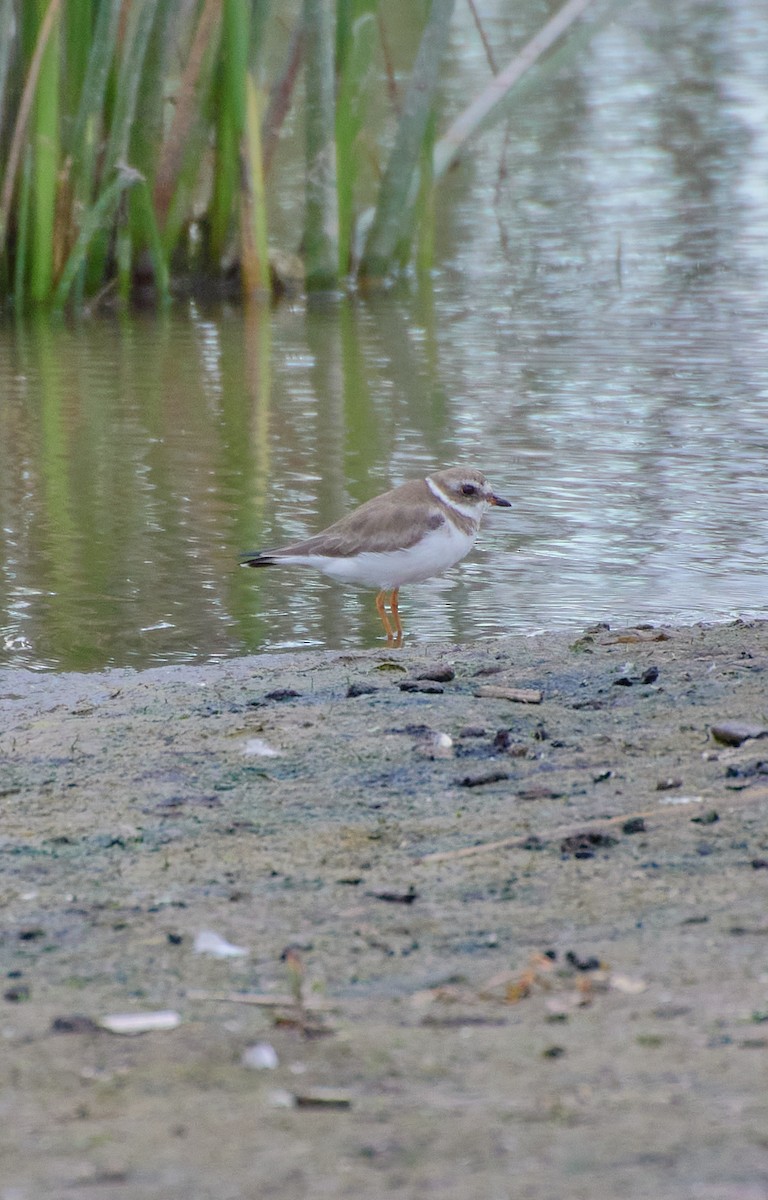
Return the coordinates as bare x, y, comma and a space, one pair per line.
524, 891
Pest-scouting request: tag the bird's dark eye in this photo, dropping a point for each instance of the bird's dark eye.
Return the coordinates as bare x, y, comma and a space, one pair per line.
469, 489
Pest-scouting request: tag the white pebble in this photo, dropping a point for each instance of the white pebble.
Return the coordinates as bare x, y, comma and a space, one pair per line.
141, 1022
260, 748
261, 1057
208, 942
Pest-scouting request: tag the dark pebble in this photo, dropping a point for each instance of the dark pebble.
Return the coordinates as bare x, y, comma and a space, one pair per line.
16, 995
414, 685
584, 844
470, 781
282, 694
760, 864
538, 793
634, 825
553, 1052
31, 935
77, 1023
360, 689
668, 1012
532, 842
650, 676
406, 897
438, 674
747, 771
733, 733
707, 818
623, 681
582, 964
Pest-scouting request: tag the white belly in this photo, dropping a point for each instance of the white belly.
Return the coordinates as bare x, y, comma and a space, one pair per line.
435, 553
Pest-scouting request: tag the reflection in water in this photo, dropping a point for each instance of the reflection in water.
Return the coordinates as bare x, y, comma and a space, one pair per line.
596, 342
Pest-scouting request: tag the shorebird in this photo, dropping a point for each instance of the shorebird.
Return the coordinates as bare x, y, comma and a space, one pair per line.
417, 530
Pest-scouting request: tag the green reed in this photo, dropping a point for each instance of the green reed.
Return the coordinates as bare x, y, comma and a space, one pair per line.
144, 145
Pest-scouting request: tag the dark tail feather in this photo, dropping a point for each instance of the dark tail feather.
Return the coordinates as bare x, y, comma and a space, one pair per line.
254, 558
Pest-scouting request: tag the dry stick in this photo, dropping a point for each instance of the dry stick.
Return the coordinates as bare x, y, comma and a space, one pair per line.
22, 117
184, 113
516, 843
483, 38
280, 97
261, 1000
389, 70
467, 122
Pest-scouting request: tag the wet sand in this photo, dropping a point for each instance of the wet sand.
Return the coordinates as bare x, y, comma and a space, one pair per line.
506, 926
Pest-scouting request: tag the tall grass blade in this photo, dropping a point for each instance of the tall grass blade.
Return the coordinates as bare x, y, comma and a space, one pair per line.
321, 216
78, 23
99, 215
141, 16
22, 117
82, 144
355, 41
254, 251
147, 233
379, 257
45, 128
85, 140
146, 136
229, 105
7, 24
147, 131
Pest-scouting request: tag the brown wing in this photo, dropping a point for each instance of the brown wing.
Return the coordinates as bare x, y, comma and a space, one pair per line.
394, 521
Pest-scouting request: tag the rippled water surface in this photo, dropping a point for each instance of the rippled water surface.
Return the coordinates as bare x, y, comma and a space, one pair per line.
596, 339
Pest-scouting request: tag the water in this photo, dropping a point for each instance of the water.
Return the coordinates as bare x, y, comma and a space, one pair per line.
595, 339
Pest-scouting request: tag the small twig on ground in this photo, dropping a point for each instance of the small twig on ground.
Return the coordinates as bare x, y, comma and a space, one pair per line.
747, 795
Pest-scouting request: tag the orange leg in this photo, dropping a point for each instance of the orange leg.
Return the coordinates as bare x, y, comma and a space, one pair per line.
381, 610
398, 638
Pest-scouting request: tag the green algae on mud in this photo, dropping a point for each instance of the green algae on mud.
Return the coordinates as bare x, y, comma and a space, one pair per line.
140, 808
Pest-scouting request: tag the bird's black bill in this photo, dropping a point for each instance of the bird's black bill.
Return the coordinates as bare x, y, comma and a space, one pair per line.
499, 501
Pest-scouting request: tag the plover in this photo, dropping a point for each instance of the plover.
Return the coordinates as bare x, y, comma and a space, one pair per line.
417, 530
